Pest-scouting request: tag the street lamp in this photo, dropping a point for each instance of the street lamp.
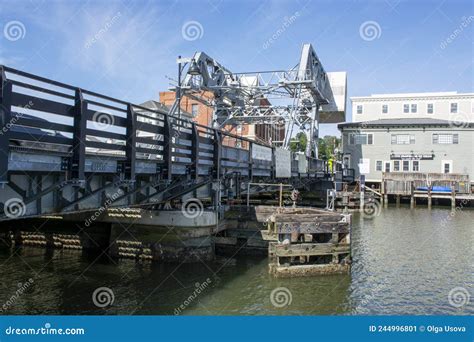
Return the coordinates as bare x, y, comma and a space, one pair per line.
194, 68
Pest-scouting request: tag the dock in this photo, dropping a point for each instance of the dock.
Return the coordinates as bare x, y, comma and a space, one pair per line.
403, 185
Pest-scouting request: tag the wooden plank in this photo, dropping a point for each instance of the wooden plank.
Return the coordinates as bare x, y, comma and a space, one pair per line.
148, 150
305, 249
149, 128
41, 89
40, 104
311, 227
104, 145
309, 270
105, 134
22, 120
117, 120
149, 140
104, 105
310, 218
269, 236
44, 138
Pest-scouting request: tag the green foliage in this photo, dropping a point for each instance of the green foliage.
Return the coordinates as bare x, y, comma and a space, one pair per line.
298, 144
327, 146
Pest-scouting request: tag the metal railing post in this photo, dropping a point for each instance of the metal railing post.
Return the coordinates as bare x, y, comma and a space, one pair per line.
167, 148
250, 162
79, 137
195, 152
281, 195
217, 153
5, 119
130, 144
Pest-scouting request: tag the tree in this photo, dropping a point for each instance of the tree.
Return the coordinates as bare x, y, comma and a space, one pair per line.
299, 142
327, 146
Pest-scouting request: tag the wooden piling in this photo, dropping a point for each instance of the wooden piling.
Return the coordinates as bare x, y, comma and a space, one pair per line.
361, 201
429, 197
307, 241
453, 199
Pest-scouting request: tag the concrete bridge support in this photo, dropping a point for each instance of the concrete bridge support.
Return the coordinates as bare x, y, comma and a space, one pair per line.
165, 236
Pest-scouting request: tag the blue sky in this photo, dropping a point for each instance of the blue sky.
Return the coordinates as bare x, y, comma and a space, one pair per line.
127, 49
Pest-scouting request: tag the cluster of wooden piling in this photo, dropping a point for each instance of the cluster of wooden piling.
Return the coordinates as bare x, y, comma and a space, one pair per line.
407, 185
351, 201
305, 241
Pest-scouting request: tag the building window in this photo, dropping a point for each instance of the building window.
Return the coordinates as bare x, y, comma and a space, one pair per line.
387, 166
403, 139
239, 128
415, 166
346, 161
414, 108
406, 108
454, 107
447, 166
359, 109
194, 109
445, 139
361, 139
406, 165
429, 108
384, 109
396, 165
378, 165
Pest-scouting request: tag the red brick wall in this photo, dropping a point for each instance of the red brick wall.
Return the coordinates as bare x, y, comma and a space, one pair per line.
204, 117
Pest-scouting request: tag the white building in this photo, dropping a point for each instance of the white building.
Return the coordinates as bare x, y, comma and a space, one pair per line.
450, 106
418, 132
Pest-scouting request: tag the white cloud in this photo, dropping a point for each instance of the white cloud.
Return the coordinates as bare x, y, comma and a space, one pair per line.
130, 49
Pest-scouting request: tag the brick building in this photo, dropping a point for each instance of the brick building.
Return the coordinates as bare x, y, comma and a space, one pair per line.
202, 114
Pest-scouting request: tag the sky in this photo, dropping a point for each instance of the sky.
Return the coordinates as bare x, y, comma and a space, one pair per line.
127, 49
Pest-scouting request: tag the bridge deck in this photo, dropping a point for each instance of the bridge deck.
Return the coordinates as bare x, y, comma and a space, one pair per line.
66, 149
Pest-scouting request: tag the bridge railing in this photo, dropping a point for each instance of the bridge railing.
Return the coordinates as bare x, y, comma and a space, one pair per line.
64, 148
118, 136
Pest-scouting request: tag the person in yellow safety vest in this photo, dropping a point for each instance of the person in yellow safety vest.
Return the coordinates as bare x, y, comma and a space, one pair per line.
330, 164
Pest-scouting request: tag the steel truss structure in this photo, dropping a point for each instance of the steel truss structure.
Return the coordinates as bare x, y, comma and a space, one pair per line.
244, 98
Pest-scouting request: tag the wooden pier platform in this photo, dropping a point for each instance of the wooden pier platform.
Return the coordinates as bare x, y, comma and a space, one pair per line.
401, 185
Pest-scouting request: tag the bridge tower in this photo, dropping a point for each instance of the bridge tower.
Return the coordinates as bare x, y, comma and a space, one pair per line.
300, 98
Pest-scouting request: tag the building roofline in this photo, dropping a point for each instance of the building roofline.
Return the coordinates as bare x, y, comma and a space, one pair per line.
405, 123
435, 95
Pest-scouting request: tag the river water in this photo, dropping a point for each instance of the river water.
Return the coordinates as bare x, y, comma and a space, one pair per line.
404, 262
